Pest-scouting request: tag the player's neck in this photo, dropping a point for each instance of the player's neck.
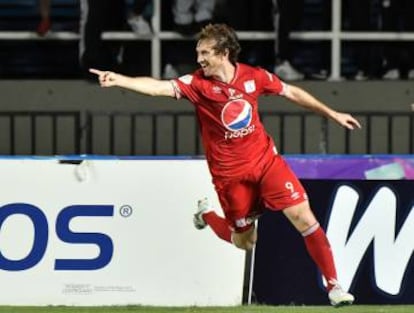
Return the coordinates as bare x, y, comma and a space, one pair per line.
227, 73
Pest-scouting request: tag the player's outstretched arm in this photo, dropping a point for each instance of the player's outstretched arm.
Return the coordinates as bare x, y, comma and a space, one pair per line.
306, 100
144, 85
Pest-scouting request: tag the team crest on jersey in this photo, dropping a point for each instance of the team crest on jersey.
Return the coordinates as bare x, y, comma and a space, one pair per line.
249, 86
236, 115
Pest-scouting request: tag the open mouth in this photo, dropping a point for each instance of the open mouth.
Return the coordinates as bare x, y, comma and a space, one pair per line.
204, 66
206, 69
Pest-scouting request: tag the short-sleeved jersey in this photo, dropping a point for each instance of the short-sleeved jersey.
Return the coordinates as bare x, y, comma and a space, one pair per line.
233, 136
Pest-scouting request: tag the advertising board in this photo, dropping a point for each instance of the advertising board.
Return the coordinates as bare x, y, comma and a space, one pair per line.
111, 232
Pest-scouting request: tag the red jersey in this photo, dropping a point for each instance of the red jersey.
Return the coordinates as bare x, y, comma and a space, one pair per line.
233, 136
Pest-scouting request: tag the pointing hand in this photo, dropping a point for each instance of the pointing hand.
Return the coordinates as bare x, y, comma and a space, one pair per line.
106, 78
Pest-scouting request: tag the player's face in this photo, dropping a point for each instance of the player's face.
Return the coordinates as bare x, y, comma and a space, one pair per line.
209, 60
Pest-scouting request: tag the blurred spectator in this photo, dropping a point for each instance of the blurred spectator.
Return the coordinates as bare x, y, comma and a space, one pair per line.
248, 15
140, 16
44, 11
98, 16
190, 15
245, 15
398, 15
361, 17
322, 68
287, 15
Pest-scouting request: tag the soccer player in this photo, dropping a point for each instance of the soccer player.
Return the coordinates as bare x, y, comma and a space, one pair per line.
248, 173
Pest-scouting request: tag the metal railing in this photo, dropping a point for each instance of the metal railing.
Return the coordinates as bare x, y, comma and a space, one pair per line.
176, 133
40, 133
158, 133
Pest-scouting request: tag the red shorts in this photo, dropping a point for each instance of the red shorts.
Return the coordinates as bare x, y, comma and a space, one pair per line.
271, 185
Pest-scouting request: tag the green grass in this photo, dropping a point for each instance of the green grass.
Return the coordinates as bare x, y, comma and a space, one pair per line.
238, 309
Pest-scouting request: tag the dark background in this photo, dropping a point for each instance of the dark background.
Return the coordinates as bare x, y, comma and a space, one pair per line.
285, 274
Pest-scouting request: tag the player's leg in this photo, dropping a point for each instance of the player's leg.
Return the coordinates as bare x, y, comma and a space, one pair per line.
281, 189
317, 244
245, 240
303, 219
236, 199
206, 215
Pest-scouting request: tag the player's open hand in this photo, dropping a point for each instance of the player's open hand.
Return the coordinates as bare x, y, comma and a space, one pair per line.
347, 120
106, 78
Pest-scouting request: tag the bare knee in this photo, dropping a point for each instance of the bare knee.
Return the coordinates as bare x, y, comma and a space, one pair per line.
301, 216
244, 244
245, 240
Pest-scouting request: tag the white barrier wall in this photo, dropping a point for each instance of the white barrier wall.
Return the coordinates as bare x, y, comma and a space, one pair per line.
111, 232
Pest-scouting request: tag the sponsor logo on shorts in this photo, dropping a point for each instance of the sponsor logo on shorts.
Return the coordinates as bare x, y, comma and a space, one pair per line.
241, 222
245, 221
295, 195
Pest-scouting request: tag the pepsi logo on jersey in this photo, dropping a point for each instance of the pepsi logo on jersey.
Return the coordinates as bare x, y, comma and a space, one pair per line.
236, 116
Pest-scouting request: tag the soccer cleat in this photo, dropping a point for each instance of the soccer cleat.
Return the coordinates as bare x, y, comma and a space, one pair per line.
340, 297
139, 25
360, 76
392, 74
170, 72
287, 72
411, 74
322, 74
203, 206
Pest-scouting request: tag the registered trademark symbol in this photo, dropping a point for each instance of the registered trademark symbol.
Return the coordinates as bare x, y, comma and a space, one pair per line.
125, 210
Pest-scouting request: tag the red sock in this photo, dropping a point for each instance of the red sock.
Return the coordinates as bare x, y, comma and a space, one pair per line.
319, 249
219, 225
